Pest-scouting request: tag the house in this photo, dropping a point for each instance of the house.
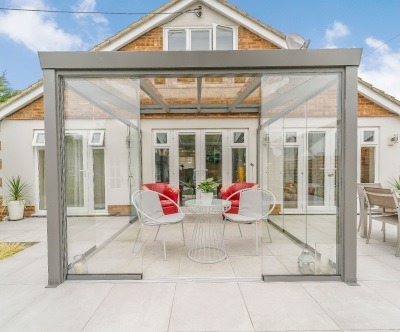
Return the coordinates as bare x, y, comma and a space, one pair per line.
198, 126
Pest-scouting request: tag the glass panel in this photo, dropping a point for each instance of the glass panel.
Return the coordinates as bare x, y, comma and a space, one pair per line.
42, 180
238, 137
187, 166
290, 177
98, 243
367, 164
162, 165
99, 180
177, 40
213, 155
291, 137
200, 40
162, 138
75, 174
239, 164
316, 169
96, 138
369, 136
40, 139
224, 38
299, 160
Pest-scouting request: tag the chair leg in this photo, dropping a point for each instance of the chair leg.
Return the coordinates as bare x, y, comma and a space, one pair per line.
256, 237
241, 235
369, 228
158, 229
137, 236
223, 230
384, 231
165, 250
183, 234
269, 233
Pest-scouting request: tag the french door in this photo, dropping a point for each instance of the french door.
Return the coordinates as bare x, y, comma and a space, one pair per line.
198, 155
309, 170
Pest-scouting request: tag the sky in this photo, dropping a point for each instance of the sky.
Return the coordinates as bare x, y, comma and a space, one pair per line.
369, 24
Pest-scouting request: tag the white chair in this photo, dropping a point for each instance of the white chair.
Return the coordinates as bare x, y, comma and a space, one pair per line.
361, 199
150, 213
387, 200
255, 204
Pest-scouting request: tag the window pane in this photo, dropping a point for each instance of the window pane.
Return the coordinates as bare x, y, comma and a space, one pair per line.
74, 176
200, 40
40, 138
291, 137
162, 165
238, 137
96, 138
316, 169
162, 138
369, 136
367, 164
177, 40
42, 181
290, 176
239, 165
98, 179
224, 39
214, 158
187, 166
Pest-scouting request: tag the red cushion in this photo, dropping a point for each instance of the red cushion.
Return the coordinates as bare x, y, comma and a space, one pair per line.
233, 188
166, 203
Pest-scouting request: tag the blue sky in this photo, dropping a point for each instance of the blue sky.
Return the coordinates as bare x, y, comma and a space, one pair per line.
328, 23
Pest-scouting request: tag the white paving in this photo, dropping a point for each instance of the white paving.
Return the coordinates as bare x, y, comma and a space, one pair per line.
197, 305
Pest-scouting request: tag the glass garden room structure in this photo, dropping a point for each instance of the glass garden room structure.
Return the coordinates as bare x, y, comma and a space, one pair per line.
284, 119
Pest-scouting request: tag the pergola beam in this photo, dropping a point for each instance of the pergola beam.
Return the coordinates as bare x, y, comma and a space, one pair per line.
153, 93
247, 89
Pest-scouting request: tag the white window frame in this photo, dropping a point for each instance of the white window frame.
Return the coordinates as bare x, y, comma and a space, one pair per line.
101, 141
161, 145
362, 144
226, 27
232, 138
36, 134
212, 30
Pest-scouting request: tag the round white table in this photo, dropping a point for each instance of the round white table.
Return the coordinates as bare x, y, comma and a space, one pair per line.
207, 241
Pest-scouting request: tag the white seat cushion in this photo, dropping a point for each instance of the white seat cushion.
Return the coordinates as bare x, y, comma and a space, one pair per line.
171, 218
239, 218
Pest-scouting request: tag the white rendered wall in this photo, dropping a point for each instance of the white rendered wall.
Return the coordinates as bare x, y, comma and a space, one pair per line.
207, 19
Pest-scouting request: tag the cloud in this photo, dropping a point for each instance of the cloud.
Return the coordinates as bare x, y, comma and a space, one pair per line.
382, 67
36, 31
89, 6
337, 31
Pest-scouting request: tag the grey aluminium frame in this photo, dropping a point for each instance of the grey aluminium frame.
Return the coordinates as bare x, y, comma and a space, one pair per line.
142, 64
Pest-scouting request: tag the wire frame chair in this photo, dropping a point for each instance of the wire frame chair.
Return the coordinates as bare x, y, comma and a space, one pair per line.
255, 204
150, 213
387, 200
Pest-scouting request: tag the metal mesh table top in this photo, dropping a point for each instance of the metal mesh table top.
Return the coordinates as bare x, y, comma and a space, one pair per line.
215, 203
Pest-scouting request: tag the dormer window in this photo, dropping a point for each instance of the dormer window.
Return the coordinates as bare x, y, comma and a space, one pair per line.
200, 39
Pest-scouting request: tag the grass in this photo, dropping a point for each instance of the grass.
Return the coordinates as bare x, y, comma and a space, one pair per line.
8, 249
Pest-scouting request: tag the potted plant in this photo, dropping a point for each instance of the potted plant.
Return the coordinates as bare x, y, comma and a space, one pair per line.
395, 183
17, 193
207, 190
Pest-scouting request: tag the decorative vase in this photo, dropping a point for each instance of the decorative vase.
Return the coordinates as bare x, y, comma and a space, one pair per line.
16, 210
206, 198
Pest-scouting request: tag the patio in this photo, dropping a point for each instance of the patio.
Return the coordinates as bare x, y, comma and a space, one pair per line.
198, 305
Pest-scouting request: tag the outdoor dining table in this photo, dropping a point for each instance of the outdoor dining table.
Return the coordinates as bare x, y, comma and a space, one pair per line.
207, 241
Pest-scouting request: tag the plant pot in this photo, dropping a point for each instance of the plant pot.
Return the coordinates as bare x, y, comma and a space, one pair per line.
206, 198
16, 210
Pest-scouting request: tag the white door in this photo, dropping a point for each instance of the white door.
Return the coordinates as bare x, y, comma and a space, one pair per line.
76, 172
309, 170
321, 170
198, 155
